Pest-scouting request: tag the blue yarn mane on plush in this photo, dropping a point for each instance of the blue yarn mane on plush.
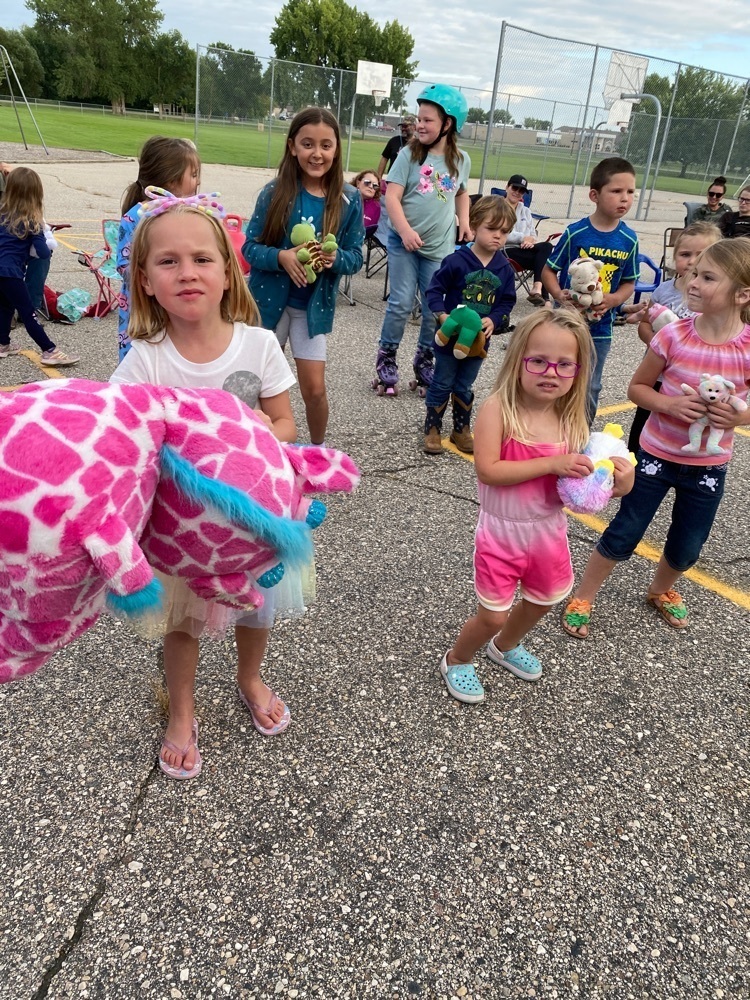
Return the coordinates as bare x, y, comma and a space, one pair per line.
148, 598
290, 539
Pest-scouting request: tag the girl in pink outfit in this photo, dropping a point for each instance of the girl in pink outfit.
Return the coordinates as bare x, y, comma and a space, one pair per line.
686, 442
529, 432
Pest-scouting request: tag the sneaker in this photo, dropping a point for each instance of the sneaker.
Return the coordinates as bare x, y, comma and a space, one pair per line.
6, 350
519, 661
58, 357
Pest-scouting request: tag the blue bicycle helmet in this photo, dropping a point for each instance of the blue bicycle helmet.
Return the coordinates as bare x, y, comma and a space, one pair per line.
452, 101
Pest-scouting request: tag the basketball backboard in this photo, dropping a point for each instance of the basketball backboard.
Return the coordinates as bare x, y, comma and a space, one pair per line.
625, 75
373, 78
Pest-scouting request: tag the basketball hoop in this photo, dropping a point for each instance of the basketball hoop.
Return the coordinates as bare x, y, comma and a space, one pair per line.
377, 96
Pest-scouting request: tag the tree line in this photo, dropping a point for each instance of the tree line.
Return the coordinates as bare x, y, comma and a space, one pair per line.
114, 52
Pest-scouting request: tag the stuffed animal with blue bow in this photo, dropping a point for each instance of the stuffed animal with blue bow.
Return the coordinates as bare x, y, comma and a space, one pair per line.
592, 493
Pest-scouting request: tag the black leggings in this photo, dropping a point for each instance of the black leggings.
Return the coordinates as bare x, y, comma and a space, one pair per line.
14, 297
532, 259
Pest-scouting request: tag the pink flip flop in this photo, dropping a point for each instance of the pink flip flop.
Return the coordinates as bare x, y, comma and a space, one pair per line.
254, 707
181, 773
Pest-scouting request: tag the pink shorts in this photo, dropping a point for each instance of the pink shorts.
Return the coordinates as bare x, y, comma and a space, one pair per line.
534, 554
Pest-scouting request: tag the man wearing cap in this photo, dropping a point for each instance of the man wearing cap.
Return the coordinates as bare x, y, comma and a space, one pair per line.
522, 246
393, 147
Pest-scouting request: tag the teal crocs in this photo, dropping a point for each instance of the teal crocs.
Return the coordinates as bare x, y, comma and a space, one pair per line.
462, 681
518, 660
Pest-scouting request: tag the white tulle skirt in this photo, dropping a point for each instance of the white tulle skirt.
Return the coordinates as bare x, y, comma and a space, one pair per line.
184, 611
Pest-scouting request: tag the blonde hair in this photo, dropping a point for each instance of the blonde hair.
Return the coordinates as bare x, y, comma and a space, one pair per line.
570, 408
148, 318
733, 258
21, 208
709, 231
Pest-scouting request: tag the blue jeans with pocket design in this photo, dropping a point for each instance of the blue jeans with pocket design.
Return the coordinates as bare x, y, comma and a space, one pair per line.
698, 491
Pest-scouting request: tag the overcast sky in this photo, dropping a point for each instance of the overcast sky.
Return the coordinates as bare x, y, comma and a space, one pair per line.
459, 42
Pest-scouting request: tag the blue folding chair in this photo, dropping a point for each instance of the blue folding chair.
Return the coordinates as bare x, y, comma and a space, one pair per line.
642, 285
500, 192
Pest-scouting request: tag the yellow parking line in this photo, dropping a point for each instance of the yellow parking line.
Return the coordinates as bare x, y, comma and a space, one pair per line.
645, 550
49, 370
607, 411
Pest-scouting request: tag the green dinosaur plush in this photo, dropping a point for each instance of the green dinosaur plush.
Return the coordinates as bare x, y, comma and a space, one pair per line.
309, 252
467, 323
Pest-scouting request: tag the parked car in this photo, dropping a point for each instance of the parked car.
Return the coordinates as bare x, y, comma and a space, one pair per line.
386, 128
284, 117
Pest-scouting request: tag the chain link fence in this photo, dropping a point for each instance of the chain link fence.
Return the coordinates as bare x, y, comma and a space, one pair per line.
556, 110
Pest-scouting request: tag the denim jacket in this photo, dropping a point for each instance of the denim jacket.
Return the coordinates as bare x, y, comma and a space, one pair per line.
269, 282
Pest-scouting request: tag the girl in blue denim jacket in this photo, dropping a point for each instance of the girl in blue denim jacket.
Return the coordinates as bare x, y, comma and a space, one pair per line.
309, 188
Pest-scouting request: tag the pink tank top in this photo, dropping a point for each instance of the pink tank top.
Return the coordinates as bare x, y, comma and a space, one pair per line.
529, 501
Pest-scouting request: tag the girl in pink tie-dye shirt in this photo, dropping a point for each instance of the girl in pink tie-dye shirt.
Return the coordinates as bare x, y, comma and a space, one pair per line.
528, 433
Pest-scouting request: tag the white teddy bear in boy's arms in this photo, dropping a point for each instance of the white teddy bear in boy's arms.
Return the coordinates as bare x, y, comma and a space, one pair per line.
586, 282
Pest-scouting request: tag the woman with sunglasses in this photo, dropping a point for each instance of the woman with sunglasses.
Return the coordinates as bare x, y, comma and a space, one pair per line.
714, 208
737, 223
368, 185
522, 246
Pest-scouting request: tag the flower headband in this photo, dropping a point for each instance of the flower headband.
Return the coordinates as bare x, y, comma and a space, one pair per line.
162, 201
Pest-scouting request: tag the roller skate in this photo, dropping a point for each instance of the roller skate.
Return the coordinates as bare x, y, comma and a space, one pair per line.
424, 369
386, 382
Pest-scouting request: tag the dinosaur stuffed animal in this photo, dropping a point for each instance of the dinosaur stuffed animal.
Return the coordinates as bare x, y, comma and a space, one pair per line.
466, 322
101, 482
309, 252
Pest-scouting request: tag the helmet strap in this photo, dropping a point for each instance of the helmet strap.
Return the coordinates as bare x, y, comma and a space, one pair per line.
445, 129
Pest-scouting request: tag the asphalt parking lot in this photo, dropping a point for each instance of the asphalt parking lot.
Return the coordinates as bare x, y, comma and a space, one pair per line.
586, 836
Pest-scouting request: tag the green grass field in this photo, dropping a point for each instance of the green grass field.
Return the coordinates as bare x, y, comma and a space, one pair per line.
247, 145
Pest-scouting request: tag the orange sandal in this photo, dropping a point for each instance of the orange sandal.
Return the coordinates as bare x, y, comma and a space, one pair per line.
671, 607
577, 613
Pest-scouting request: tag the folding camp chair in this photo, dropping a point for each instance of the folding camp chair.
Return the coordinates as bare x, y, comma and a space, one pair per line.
525, 275
102, 263
691, 207
670, 239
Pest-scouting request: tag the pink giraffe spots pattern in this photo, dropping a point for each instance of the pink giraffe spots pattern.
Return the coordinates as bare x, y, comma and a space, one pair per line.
100, 482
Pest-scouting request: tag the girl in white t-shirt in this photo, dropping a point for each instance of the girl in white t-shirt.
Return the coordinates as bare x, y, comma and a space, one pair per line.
193, 324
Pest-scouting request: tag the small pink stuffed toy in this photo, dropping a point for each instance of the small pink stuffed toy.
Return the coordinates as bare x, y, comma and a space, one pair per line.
101, 482
659, 316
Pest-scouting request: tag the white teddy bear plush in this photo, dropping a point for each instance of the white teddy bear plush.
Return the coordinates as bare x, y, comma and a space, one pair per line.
586, 282
712, 389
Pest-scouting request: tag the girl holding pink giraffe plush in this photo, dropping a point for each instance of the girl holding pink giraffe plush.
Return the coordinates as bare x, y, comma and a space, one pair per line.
193, 323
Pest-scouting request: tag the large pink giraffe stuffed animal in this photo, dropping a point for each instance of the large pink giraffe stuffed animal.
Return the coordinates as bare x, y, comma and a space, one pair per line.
100, 482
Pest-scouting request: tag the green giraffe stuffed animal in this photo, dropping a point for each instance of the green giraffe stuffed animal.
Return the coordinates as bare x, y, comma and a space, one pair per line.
309, 250
465, 322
